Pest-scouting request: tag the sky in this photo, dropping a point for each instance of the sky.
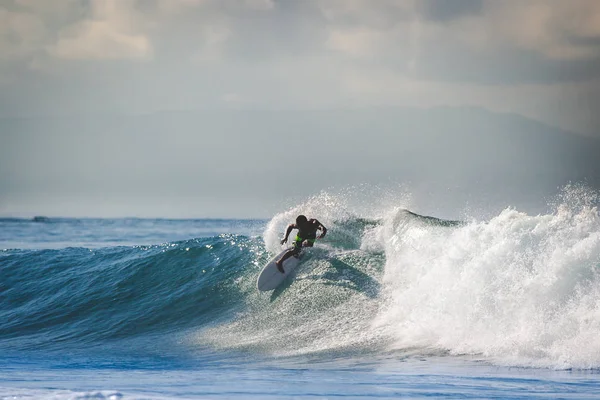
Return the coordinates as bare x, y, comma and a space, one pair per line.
99, 59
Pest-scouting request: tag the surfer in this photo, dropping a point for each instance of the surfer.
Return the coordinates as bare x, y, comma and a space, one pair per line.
307, 234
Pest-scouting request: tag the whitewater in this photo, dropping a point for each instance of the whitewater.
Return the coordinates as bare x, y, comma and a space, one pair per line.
394, 301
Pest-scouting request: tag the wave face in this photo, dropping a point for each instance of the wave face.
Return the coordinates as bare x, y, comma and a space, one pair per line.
83, 295
515, 289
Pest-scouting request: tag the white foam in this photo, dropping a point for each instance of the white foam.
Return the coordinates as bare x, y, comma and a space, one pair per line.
519, 288
59, 394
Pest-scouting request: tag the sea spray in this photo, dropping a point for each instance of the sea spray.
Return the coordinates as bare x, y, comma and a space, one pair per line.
520, 289
516, 288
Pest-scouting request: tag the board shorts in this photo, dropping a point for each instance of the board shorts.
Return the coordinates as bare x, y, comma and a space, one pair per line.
298, 243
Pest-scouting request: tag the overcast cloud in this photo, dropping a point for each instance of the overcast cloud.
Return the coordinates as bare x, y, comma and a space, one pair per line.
74, 56
536, 58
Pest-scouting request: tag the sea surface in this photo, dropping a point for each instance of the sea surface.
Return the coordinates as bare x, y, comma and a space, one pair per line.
391, 303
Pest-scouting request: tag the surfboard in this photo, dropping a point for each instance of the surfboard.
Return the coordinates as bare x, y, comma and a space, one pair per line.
270, 277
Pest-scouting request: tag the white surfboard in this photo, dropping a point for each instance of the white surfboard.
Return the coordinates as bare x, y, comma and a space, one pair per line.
270, 277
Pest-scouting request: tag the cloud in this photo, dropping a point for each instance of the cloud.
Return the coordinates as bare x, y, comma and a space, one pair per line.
485, 42
444, 11
111, 32
554, 30
551, 28
95, 60
21, 34
361, 13
259, 4
214, 36
356, 42
313, 53
98, 40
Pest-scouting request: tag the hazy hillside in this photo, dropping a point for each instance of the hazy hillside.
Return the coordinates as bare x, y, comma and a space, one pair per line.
468, 150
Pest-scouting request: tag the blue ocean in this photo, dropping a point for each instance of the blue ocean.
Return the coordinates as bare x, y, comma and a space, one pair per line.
393, 302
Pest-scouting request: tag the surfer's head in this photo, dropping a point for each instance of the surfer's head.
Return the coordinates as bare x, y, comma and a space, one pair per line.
301, 220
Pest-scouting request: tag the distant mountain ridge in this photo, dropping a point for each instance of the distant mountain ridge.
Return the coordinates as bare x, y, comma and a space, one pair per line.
274, 153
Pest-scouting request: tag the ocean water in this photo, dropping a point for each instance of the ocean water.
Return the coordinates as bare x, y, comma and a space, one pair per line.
390, 304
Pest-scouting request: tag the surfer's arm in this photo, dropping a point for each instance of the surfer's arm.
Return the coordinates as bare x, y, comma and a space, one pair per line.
287, 233
322, 228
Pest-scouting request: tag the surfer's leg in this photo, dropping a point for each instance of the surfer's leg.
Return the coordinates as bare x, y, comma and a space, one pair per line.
284, 257
288, 254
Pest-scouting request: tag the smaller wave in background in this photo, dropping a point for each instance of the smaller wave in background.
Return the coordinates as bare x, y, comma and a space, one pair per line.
56, 233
